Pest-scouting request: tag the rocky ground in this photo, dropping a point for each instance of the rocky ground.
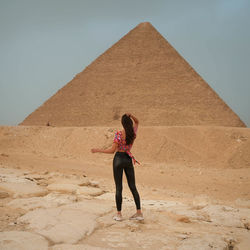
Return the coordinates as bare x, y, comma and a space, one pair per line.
52, 210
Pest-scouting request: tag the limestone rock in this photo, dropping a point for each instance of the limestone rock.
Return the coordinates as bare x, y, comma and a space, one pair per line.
224, 215
18, 240
19, 189
89, 191
187, 214
36, 177
91, 206
61, 225
67, 223
201, 201
94, 183
14, 178
63, 187
106, 196
205, 243
75, 247
161, 204
71, 180
48, 201
243, 203
84, 182
4, 194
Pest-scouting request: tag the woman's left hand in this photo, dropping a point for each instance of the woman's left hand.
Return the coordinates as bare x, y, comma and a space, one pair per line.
94, 150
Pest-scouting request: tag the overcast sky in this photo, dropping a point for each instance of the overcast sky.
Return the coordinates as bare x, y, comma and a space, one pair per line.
44, 43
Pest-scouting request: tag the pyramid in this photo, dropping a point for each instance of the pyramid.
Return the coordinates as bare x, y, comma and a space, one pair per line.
142, 74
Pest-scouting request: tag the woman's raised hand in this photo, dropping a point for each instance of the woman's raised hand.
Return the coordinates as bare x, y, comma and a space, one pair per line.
133, 117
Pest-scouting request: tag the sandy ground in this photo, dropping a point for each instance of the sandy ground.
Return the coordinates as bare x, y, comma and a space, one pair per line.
194, 184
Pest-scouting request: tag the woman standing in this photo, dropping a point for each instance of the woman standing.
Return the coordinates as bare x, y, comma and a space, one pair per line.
123, 160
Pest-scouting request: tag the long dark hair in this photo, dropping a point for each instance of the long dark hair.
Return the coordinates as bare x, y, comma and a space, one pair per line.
127, 123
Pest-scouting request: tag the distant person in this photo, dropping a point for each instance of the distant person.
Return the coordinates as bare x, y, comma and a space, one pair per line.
123, 160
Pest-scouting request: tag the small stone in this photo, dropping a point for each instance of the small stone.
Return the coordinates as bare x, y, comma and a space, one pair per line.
94, 183
4, 155
84, 182
184, 219
28, 178
247, 225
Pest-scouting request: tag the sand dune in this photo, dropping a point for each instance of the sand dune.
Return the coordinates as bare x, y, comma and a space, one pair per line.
195, 146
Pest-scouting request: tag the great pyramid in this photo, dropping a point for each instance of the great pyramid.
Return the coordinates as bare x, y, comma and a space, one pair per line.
143, 74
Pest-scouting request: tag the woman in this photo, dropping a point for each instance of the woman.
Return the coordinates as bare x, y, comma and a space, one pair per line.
123, 158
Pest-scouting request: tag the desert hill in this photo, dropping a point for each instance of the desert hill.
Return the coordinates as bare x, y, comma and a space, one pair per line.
195, 146
142, 73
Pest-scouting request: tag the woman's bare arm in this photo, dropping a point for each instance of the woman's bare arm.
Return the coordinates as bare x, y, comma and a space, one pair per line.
136, 121
106, 151
134, 118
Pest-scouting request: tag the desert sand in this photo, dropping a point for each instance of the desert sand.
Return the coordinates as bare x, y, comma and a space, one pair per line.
194, 184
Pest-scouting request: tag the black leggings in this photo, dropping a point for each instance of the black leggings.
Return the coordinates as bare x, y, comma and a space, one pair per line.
123, 161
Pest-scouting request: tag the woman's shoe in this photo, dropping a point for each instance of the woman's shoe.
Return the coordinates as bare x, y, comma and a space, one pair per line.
136, 217
117, 217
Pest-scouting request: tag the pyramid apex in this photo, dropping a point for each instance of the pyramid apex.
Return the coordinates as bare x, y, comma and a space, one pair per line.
145, 24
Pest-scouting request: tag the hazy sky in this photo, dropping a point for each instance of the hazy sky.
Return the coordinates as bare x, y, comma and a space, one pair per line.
44, 43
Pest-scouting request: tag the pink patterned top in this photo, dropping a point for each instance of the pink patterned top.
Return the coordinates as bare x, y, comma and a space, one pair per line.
122, 144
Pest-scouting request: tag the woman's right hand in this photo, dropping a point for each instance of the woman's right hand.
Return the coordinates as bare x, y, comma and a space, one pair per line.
94, 150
